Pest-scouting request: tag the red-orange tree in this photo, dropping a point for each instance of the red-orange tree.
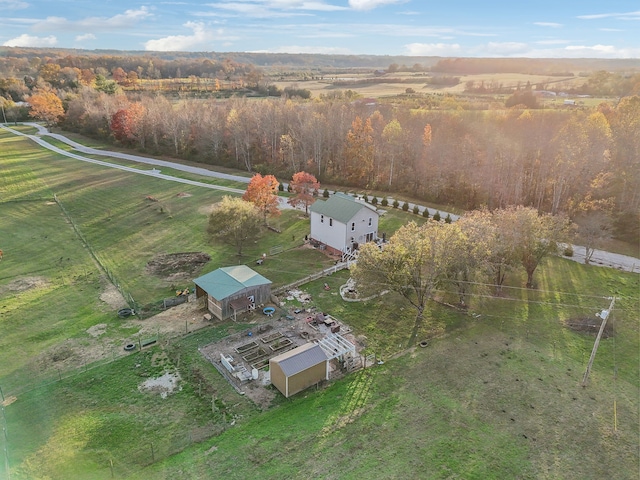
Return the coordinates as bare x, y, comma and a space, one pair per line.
126, 123
45, 105
305, 186
263, 193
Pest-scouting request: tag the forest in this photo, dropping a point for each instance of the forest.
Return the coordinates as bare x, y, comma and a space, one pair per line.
583, 161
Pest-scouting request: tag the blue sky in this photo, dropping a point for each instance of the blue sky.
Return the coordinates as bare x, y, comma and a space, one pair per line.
476, 28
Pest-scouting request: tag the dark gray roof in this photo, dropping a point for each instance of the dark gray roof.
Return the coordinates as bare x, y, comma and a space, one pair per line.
301, 358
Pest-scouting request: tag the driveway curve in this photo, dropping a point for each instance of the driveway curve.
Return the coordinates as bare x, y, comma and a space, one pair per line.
600, 258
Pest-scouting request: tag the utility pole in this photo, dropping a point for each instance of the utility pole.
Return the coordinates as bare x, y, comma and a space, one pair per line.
604, 315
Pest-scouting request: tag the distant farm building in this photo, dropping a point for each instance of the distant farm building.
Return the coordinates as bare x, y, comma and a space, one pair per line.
233, 290
297, 369
341, 223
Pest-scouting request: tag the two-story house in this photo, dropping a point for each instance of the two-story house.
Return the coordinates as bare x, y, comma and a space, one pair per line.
341, 222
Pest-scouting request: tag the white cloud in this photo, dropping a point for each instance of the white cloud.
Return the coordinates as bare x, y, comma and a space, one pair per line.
124, 20
179, 43
552, 42
273, 8
618, 16
434, 49
515, 49
13, 4
548, 24
371, 4
589, 51
85, 37
25, 40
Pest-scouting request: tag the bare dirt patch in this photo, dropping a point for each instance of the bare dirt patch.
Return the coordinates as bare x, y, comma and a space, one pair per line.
179, 320
82, 351
173, 266
162, 385
112, 297
97, 330
590, 326
23, 284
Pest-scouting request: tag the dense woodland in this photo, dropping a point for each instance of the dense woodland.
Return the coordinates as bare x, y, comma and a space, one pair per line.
576, 161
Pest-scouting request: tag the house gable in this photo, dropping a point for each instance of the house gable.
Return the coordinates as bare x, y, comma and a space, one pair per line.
341, 221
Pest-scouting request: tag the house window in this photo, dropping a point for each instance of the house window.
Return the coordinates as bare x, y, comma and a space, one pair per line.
331, 222
322, 219
353, 226
369, 221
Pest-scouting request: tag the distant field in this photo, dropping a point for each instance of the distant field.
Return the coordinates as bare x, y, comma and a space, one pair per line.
419, 83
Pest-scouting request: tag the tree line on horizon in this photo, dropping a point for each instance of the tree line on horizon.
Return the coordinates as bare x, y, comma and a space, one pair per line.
570, 161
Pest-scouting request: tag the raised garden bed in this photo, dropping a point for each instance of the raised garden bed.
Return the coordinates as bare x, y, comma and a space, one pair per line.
281, 345
247, 347
270, 338
255, 355
260, 364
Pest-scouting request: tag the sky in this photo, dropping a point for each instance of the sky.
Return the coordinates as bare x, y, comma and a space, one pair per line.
447, 28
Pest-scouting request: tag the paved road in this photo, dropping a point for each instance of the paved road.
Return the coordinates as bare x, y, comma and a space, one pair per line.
599, 258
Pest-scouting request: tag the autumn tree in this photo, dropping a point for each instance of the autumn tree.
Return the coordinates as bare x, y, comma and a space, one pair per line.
534, 236
495, 231
470, 262
414, 263
235, 222
392, 135
263, 193
45, 105
305, 186
594, 223
126, 123
359, 152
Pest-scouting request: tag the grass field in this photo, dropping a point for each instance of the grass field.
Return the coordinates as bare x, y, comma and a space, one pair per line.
496, 394
418, 83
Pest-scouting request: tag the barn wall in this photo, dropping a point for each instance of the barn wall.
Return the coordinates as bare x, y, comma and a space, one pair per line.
214, 307
306, 378
261, 294
278, 378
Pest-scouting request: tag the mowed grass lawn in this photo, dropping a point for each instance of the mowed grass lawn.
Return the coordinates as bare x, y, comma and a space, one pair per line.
493, 396
497, 396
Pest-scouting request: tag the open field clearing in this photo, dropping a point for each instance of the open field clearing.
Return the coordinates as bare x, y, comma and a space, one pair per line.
495, 394
418, 82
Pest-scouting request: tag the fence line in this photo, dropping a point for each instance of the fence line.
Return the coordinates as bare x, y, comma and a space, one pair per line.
112, 278
314, 276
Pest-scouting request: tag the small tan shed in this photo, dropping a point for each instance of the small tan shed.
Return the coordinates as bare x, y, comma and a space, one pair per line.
297, 369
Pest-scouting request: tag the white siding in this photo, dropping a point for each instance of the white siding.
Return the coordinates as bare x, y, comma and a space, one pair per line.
329, 231
362, 227
338, 235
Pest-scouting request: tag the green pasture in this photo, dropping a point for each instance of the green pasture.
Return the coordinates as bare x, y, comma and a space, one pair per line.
492, 396
146, 167
495, 394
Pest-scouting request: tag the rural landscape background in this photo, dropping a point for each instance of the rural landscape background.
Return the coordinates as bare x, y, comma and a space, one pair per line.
497, 393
